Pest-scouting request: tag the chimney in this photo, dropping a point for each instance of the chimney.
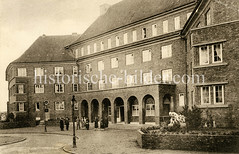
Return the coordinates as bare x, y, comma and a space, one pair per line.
104, 8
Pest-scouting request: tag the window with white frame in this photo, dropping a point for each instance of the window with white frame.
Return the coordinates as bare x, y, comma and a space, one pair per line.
177, 23
59, 71
204, 55
39, 71
150, 109
146, 55
95, 47
88, 49
76, 106
165, 26
167, 75
208, 19
21, 72
59, 88
205, 95
144, 33
89, 86
101, 84
135, 110
88, 68
20, 89
59, 105
147, 78
130, 59
217, 53
125, 38
218, 92
109, 43
74, 87
117, 41
37, 106
39, 88
21, 106
166, 51
82, 51
181, 100
131, 80
134, 35
115, 82
188, 15
154, 30
101, 65
74, 70
101, 46
114, 62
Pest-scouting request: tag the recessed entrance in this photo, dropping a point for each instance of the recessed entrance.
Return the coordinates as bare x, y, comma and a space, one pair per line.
119, 110
84, 109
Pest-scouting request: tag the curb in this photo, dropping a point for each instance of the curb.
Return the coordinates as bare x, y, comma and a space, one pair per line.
67, 151
41, 133
21, 140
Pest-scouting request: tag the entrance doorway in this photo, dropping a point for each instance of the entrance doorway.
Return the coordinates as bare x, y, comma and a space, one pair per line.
119, 110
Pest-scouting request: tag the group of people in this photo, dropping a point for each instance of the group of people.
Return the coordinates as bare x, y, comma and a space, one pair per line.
66, 121
83, 122
103, 122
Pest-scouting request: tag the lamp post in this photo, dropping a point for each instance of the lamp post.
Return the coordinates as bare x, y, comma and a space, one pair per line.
45, 110
73, 120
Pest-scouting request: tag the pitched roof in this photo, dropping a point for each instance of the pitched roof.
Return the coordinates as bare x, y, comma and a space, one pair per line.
129, 11
48, 48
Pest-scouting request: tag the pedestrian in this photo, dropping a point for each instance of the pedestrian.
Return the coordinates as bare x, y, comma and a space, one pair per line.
96, 122
102, 123
106, 121
67, 123
87, 124
78, 123
61, 124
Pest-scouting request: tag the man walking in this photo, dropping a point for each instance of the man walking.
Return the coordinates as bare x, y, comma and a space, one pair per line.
67, 123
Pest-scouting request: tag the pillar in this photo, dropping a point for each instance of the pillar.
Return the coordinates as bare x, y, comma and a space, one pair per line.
158, 102
100, 109
89, 111
141, 111
171, 104
113, 120
126, 112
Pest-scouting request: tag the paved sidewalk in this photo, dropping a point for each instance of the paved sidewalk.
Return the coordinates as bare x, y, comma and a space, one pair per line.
5, 140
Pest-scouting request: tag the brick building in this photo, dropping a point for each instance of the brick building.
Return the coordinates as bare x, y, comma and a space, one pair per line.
146, 45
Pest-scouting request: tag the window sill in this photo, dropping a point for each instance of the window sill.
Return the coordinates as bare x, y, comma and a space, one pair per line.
213, 106
211, 65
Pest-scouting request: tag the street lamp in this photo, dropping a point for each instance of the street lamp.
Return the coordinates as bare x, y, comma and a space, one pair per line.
45, 110
73, 120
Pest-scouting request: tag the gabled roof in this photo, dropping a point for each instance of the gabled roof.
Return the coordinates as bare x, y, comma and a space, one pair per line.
48, 49
127, 12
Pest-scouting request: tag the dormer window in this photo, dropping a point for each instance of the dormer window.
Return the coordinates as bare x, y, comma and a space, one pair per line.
101, 46
144, 33
117, 41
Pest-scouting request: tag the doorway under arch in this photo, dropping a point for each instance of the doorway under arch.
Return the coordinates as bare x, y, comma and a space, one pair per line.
148, 109
106, 108
119, 110
84, 109
133, 109
94, 109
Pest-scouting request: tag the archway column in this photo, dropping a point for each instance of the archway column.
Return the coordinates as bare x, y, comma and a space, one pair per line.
113, 114
158, 103
141, 111
79, 109
100, 110
126, 112
89, 111
171, 104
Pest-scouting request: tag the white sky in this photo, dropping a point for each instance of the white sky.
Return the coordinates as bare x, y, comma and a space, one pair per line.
23, 21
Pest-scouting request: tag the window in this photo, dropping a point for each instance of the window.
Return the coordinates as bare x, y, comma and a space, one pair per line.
76, 106
21, 107
117, 41
188, 15
208, 18
101, 65
109, 43
59, 88
114, 62
150, 108
126, 38
204, 55
218, 94
95, 47
20, 89
144, 33
146, 55
21, 72
135, 110
89, 86
88, 68
130, 59
165, 26
166, 51
154, 30
82, 52
181, 100
59, 71
101, 46
131, 80
39, 71
167, 75
177, 23
134, 35
101, 84
74, 70
217, 53
39, 89
115, 82
59, 105
147, 78
88, 49
74, 87
37, 106
205, 95
77, 53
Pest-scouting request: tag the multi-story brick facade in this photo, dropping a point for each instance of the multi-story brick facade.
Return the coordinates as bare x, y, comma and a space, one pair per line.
150, 40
